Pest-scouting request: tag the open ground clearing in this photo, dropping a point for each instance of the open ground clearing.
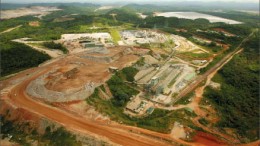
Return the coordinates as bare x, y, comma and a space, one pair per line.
142, 15
105, 8
35, 11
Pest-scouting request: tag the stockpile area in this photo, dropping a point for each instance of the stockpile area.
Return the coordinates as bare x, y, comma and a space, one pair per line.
37, 89
75, 78
107, 55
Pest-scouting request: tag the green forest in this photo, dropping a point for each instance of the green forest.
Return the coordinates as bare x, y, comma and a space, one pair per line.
122, 92
51, 136
55, 46
17, 57
238, 99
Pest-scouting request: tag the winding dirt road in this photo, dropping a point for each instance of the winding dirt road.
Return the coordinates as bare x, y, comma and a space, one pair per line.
18, 97
116, 133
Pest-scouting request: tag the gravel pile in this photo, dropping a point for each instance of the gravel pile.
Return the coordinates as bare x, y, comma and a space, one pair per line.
37, 89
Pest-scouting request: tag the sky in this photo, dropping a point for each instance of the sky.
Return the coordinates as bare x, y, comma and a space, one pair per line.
113, 1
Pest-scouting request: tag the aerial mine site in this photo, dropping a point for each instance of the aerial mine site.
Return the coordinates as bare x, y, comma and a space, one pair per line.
129, 73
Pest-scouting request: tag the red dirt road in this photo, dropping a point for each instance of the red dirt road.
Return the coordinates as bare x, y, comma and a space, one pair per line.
116, 133
75, 123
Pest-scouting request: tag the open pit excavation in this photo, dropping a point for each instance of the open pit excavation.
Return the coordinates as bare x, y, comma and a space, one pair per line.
134, 75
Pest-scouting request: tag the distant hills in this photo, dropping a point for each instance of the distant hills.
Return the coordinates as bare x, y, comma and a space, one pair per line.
5, 6
148, 5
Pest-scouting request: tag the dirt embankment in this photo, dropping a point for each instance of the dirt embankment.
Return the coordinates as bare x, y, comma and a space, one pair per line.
11, 112
28, 122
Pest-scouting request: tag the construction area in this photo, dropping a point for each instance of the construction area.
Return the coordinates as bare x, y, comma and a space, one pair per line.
97, 42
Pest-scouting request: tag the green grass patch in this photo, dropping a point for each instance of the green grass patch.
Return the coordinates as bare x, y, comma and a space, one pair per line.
196, 55
185, 100
211, 64
102, 87
115, 35
173, 81
83, 28
60, 137
203, 121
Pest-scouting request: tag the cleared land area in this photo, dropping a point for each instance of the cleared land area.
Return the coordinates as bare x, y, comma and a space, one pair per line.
36, 10
195, 15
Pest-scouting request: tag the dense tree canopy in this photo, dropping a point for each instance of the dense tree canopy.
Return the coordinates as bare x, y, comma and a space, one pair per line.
55, 46
19, 57
238, 99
